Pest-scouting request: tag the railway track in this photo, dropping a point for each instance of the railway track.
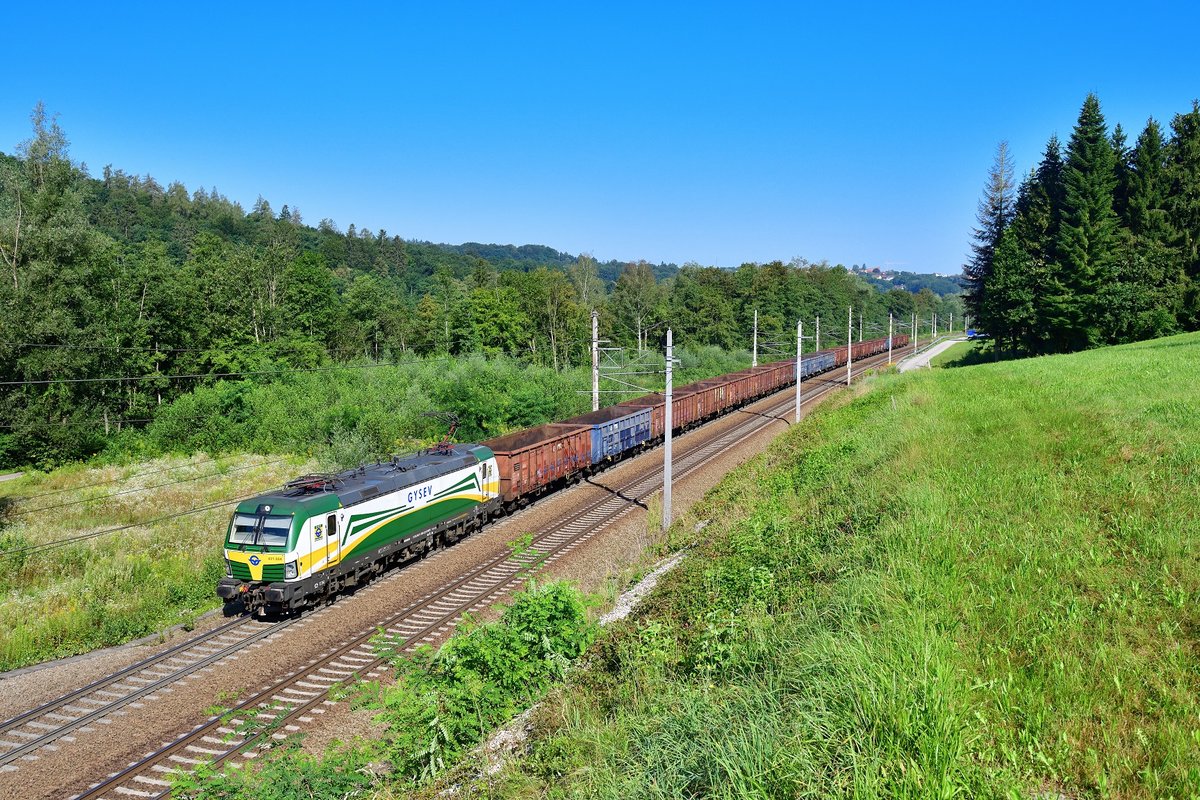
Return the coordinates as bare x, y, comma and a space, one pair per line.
98, 702
280, 708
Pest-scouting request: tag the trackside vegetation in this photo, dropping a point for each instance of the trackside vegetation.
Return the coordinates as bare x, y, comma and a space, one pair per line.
359, 414
441, 703
140, 293
976, 582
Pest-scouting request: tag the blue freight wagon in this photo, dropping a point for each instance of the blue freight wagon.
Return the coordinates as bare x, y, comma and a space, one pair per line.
615, 430
815, 363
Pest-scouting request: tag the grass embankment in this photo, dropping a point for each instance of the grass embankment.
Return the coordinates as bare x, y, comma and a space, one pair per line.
119, 586
960, 355
976, 582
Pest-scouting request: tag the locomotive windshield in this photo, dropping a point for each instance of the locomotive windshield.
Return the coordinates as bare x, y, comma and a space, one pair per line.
268, 530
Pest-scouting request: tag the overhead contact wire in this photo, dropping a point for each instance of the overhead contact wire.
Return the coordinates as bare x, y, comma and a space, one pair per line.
25, 512
43, 546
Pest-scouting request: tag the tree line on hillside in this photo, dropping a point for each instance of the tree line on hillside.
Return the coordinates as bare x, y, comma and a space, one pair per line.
1099, 244
913, 281
125, 295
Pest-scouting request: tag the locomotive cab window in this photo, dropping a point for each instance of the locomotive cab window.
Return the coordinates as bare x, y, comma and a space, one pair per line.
267, 530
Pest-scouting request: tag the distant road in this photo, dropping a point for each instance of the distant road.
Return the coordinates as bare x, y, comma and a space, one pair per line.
12, 476
922, 359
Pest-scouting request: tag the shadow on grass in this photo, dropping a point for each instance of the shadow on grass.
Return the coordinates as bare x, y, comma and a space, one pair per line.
980, 353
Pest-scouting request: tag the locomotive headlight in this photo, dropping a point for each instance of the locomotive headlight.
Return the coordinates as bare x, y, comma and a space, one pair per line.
228, 569
289, 571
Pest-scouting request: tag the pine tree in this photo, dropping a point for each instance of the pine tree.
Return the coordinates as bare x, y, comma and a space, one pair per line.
1087, 236
994, 215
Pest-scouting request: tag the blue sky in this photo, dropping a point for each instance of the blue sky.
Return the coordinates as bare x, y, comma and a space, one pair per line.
715, 133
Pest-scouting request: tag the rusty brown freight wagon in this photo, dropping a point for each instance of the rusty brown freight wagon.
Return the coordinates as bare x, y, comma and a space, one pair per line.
686, 408
783, 374
532, 461
712, 397
745, 385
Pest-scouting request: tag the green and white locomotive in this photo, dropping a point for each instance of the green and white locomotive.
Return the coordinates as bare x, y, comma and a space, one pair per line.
325, 533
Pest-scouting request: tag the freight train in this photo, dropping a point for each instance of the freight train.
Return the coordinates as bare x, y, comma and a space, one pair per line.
321, 534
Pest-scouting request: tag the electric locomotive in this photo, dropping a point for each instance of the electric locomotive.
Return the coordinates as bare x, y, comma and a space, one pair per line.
321, 534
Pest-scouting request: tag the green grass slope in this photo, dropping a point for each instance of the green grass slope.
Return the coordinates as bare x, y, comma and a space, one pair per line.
110, 589
980, 582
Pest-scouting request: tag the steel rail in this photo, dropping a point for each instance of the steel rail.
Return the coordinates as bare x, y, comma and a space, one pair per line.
61, 716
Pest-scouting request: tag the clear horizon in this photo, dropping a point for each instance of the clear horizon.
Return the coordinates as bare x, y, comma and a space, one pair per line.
678, 133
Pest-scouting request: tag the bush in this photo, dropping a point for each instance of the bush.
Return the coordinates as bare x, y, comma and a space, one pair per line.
363, 414
444, 702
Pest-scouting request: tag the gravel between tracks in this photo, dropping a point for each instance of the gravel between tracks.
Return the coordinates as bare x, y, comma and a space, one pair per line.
603, 565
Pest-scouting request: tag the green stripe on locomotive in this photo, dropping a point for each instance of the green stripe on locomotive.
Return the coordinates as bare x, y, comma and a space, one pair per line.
410, 523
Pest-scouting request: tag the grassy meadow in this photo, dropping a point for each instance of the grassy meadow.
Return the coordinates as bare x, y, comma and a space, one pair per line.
116, 587
960, 355
978, 582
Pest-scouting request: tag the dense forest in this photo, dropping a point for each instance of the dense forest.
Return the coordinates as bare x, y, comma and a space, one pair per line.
1097, 245
127, 295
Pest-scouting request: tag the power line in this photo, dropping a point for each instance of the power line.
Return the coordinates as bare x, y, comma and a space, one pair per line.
134, 378
44, 546
196, 375
81, 423
243, 468
118, 480
143, 348
146, 348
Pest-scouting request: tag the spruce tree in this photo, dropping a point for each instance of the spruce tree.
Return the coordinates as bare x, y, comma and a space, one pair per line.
1145, 210
1142, 300
1183, 205
994, 215
1039, 205
1122, 167
1035, 238
1087, 236
1012, 300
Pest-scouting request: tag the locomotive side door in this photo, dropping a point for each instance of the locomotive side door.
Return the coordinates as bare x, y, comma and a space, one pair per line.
333, 540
